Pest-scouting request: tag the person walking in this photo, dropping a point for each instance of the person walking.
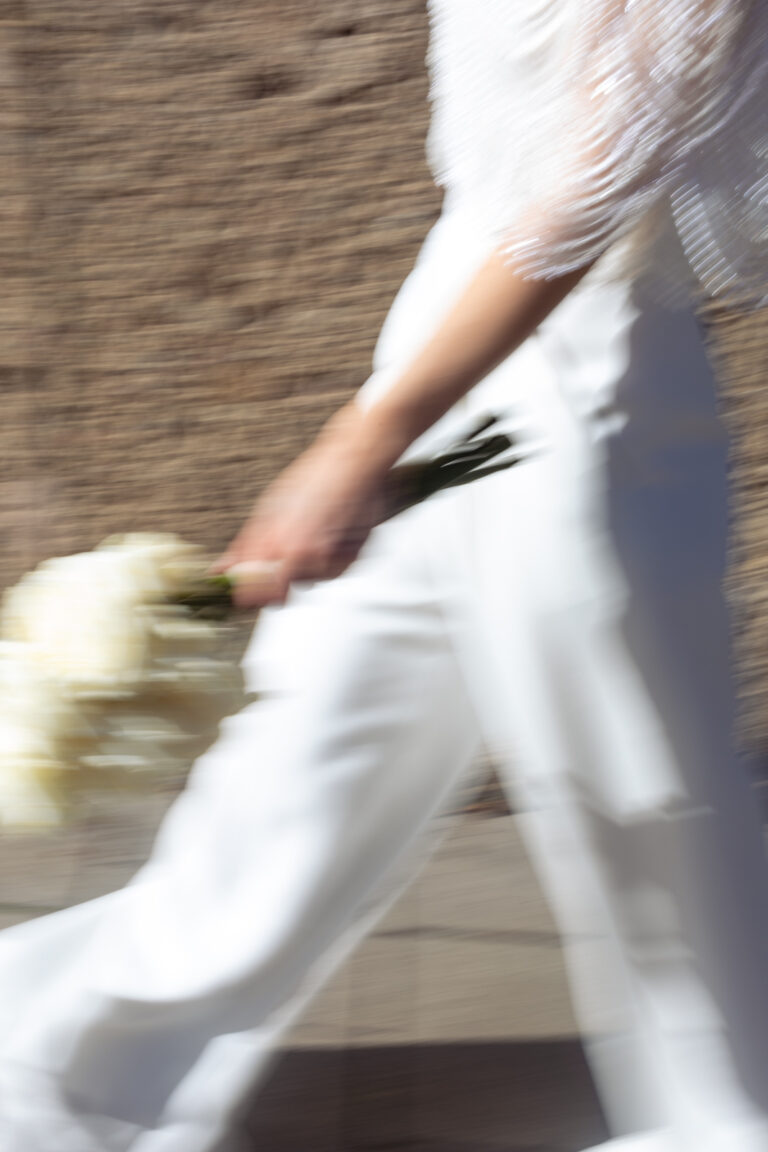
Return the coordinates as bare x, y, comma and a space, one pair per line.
599, 159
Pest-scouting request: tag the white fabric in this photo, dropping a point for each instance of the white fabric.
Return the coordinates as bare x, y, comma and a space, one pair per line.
570, 119
568, 610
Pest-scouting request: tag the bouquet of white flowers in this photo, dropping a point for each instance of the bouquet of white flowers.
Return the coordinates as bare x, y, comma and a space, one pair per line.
106, 673
108, 659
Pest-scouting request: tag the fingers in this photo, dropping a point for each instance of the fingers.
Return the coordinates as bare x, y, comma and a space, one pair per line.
222, 565
269, 554
258, 583
232, 555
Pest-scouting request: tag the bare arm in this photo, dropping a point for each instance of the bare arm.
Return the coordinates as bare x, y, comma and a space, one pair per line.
498, 311
647, 84
313, 521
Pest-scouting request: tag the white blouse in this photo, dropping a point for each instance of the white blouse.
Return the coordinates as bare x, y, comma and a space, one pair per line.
563, 122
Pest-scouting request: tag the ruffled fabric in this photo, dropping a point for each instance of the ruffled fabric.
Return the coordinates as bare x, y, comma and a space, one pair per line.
569, 121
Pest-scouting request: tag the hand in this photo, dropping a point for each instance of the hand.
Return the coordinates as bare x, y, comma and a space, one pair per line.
312, 521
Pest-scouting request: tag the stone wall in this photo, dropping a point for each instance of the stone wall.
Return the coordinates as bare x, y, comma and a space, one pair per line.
205, 209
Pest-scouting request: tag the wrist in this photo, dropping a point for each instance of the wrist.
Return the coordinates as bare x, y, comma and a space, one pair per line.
374, 437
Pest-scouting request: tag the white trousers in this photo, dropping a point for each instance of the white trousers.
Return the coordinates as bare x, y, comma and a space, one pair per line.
567, 612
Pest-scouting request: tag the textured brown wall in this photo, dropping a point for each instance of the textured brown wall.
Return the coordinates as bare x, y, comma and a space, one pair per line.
205, 209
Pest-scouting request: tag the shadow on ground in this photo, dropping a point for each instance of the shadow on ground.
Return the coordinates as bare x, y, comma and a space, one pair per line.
500, 1097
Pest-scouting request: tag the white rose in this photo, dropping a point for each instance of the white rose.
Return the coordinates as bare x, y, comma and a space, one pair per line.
81, 619
102, 677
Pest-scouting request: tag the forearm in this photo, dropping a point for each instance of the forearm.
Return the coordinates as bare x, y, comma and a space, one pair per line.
495, 314
313, 520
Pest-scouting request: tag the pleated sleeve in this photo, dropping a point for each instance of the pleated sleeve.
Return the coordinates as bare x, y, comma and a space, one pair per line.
653, 99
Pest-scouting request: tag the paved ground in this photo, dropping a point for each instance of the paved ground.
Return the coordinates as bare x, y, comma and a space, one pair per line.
449, 1028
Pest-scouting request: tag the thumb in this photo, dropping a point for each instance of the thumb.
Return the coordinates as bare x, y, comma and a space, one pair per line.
226, 561
258, 583
229, 557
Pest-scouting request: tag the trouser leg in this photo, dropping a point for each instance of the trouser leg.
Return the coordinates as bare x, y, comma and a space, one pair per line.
601, 687
273, 855
663, 947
